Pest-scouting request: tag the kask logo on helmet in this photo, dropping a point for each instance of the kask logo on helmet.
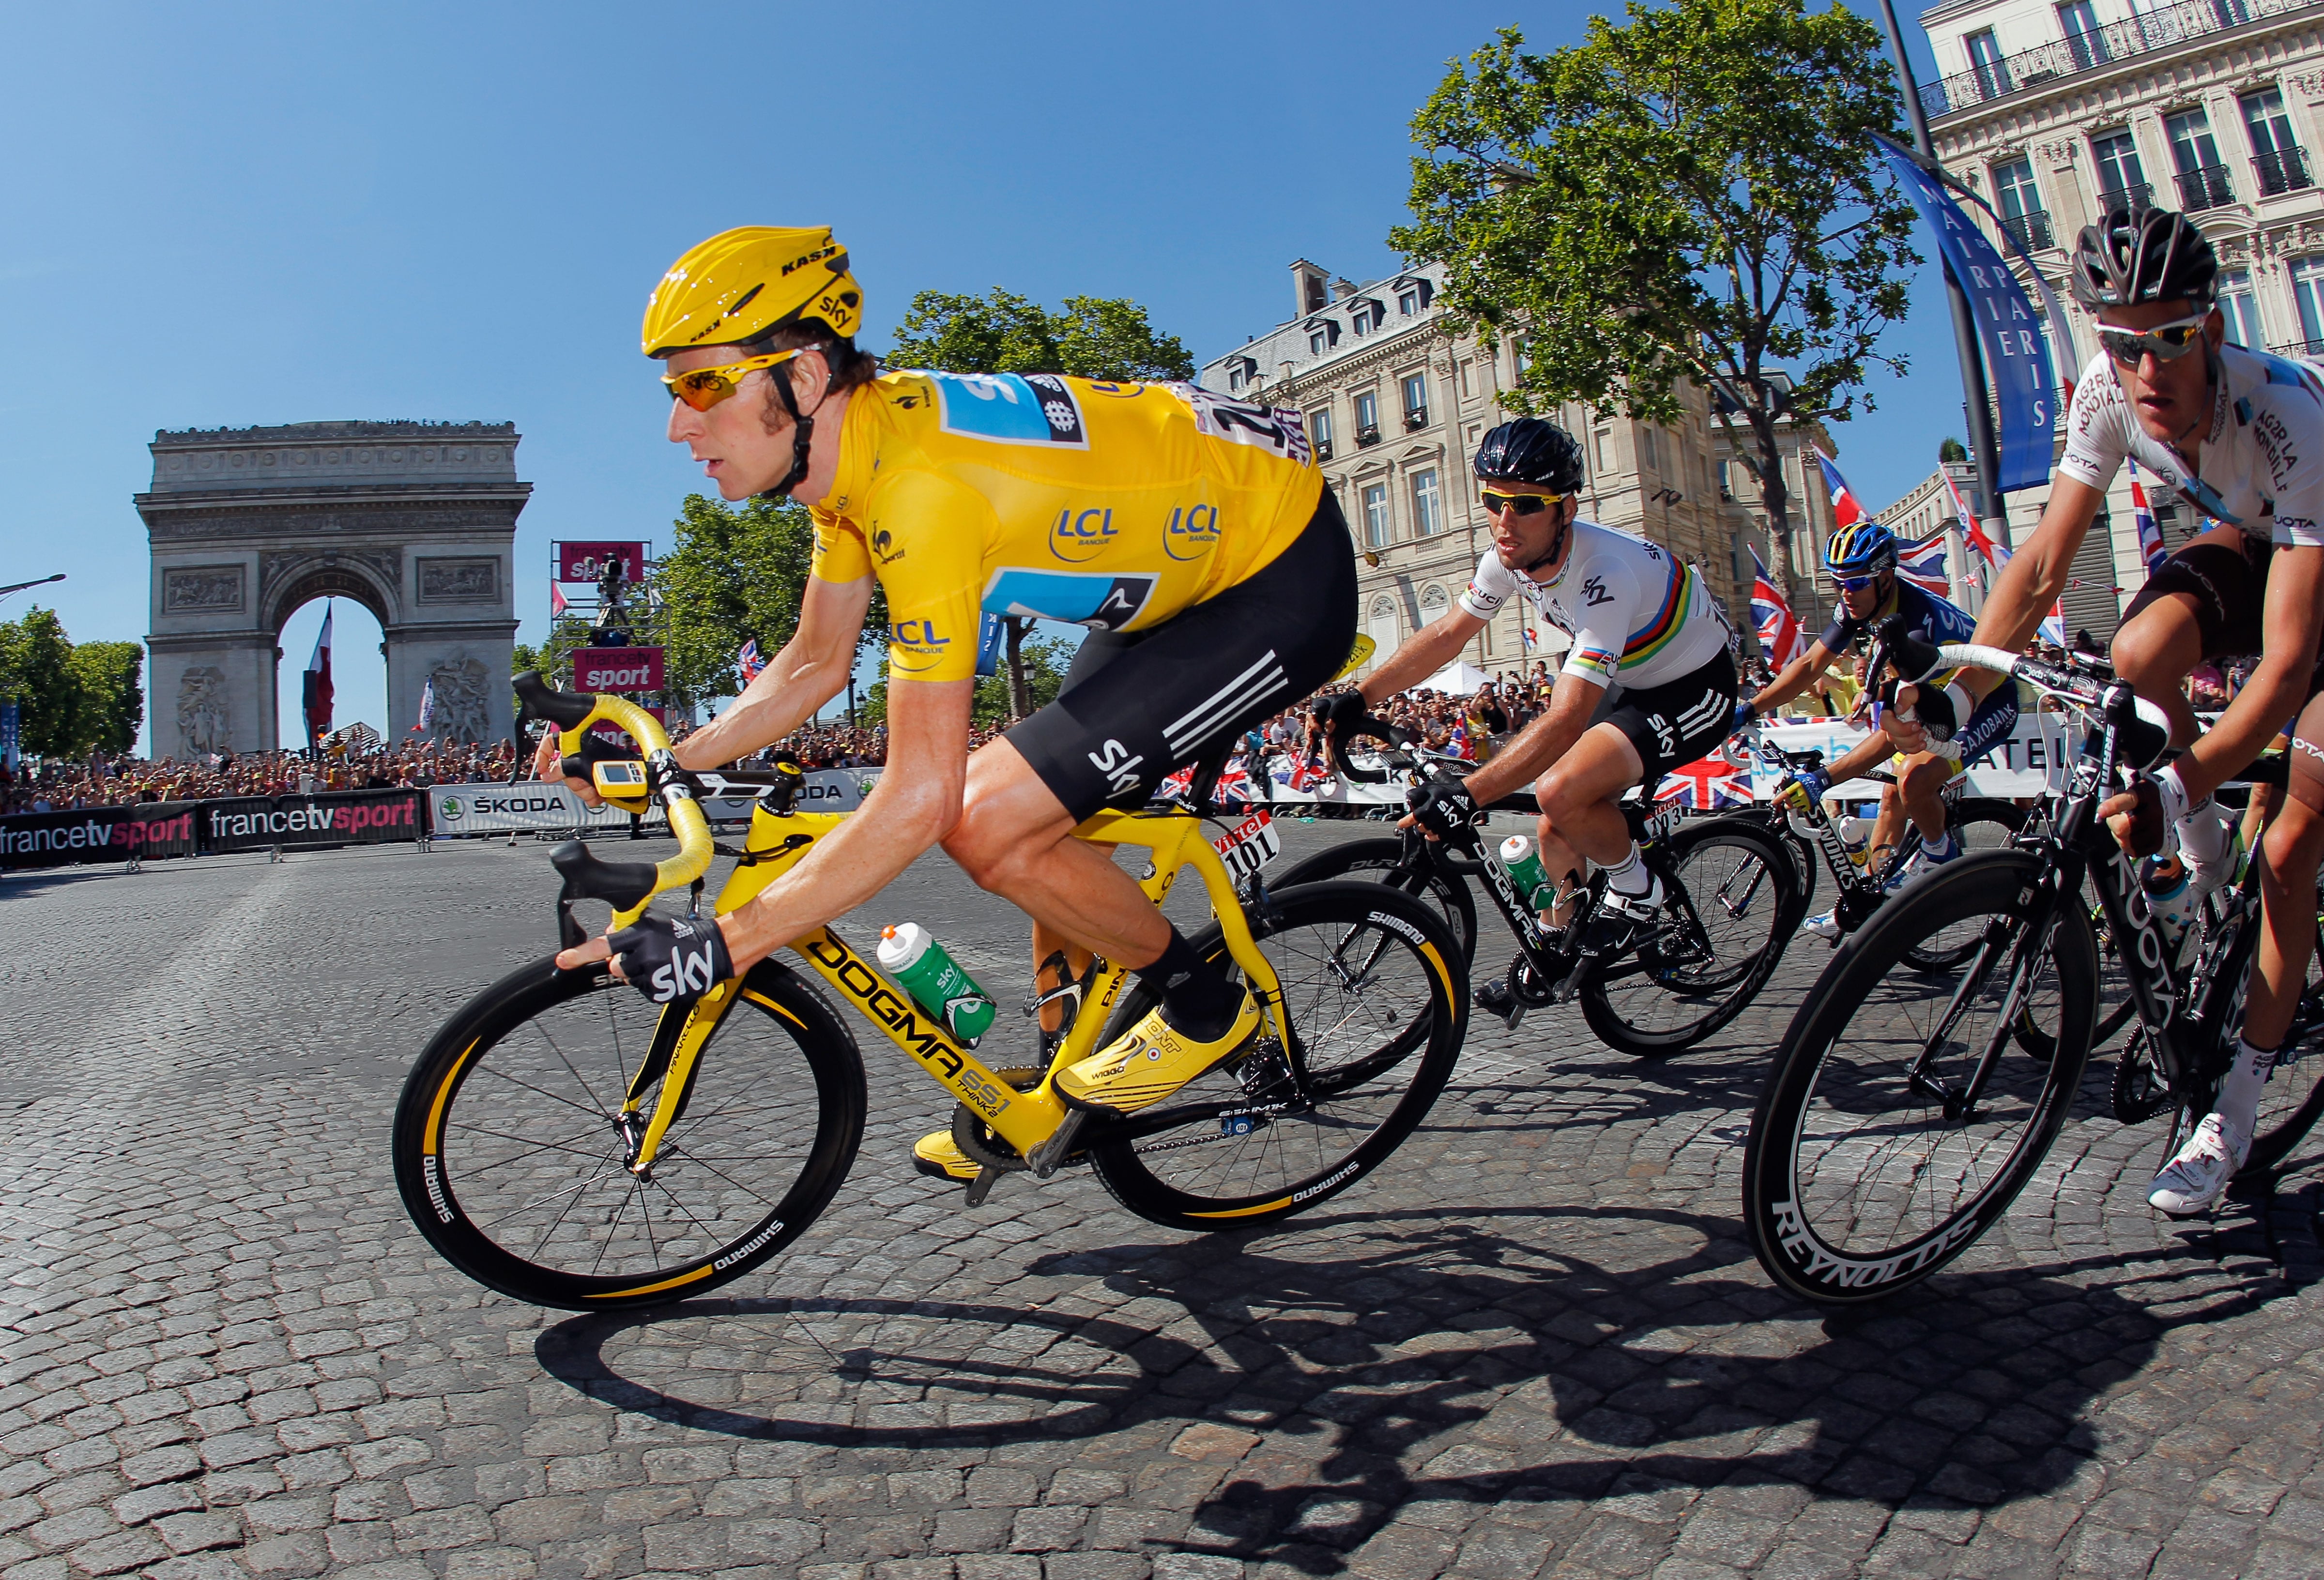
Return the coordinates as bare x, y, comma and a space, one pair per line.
818, 254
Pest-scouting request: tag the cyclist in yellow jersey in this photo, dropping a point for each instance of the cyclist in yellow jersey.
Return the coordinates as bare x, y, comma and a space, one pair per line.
1191, 534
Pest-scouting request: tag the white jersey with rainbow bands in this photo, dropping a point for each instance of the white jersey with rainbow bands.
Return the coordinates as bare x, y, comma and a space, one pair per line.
1638, 615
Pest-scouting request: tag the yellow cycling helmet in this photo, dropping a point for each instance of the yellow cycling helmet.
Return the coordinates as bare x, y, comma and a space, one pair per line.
744, 284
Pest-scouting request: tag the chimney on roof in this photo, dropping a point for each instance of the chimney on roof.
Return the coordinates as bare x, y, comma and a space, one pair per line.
1343, 288
1310, 288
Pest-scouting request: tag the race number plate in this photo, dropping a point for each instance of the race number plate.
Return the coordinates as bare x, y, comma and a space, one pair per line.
1249, 845
1663, 823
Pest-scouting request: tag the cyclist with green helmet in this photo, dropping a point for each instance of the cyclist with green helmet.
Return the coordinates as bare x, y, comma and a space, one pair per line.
1861, 558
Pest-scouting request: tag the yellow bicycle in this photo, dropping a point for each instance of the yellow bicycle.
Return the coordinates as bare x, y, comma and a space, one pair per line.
567, 1143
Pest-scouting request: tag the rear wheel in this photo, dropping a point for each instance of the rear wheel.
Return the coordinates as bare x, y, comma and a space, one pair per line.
1866, 1169
2294, 1098
513, 1151
1736, 904
1376, 995
1382, 860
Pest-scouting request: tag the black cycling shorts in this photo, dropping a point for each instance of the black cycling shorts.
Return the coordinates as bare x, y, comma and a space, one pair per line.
1682, 720
1122, 723
2230, 587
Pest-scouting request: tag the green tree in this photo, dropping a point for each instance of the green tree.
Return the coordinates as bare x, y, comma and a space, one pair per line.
1093, 337
1692, 194
1045, 660
108, 678
36, 674
1952, 450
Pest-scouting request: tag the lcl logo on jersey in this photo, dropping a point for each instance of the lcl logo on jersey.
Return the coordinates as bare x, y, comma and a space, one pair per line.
915, 645
1192, 531
1081, 534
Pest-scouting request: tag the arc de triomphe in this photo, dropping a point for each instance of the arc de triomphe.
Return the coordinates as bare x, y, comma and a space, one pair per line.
414, 520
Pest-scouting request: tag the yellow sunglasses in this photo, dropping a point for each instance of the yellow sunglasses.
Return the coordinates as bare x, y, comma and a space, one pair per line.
1524, 504
704, 388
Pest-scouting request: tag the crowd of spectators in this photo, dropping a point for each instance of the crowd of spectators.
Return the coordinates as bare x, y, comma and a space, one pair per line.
114, 781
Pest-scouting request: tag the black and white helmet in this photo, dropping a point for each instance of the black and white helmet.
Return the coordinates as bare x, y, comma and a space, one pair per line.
1535, 450
2140, 255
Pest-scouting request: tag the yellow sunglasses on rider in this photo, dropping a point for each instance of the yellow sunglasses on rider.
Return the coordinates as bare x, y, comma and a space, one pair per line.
704, 388
1523, 504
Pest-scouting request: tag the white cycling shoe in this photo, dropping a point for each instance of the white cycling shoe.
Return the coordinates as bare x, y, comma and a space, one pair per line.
1825, 926
2193, 1181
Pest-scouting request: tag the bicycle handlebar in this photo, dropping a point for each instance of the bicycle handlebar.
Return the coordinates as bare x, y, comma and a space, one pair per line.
586, 876
2068, 682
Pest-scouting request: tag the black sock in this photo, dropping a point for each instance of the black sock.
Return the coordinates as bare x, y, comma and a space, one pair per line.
1195, 998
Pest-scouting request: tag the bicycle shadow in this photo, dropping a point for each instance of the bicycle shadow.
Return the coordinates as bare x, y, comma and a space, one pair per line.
1471, 1360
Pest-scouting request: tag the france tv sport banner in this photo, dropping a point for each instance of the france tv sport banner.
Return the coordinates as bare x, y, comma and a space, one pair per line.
2016, 357
588, 562
617, 669
354, 817
97, 834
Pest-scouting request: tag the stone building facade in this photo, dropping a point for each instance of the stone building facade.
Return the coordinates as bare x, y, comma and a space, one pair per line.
415, 521
2214, 108
1396, 404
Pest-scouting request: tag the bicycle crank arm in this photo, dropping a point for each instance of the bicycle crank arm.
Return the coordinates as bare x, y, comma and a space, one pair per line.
1046, 1158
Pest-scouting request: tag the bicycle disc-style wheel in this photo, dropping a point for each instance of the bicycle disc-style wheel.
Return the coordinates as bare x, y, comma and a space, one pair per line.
1377, 995
1856, 1180
1382, 861
1723, 928
2293, 1097
511, 1150
1978, 823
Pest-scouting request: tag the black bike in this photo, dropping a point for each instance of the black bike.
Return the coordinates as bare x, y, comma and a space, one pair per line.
1732, 902
1977, 823
1909, 1104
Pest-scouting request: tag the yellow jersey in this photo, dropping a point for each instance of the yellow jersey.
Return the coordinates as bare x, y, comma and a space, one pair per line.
1111, 505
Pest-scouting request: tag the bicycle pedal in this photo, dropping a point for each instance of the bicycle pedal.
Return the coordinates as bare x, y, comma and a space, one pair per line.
1046, 1158
978, 1189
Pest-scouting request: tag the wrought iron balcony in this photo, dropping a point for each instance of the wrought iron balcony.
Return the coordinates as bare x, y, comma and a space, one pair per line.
1365, 437
2032, 229
2301, 348
2284, 171
1323, 449
1416, 419
2079, 52
2137, 195
2205, 187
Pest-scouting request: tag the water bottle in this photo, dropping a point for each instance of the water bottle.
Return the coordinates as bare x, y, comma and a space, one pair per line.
935, 981
1524, 864
2172, 901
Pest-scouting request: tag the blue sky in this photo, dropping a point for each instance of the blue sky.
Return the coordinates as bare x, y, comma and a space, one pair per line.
227, 214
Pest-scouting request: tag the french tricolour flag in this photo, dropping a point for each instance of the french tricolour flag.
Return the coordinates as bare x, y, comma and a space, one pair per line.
1779, 628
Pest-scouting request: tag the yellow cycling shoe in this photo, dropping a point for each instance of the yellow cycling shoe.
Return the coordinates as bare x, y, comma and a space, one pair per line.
1149, 1063
939, 1157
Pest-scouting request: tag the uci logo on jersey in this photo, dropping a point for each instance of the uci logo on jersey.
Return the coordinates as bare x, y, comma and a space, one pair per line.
1081, 534
1192, 531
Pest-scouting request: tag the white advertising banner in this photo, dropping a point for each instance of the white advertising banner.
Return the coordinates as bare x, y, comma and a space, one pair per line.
529, 807
2030, 761
825, 790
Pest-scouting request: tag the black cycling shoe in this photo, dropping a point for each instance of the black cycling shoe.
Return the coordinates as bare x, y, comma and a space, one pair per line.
1496, 999
1616, 922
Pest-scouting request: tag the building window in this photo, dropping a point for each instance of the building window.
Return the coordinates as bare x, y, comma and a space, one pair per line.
1650, 455
1317, 343
1323, 335
1433, 602
1467, 377
1367, 316
1416, 401
1985, 59
1367, 418
1378, 533
2085, 46
2195, 157
2277, 157
1605, 453
2308, 297
2241, 310
2020, 202
2122, 180
1319, 428
1427, 509
1726, 481
1234, 377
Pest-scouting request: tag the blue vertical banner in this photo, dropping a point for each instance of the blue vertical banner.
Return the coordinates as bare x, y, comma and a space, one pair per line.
989, 642
8, 733
2008, 326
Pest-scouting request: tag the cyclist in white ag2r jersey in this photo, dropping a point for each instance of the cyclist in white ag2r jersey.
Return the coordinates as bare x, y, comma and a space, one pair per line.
2240, 435
1644, 628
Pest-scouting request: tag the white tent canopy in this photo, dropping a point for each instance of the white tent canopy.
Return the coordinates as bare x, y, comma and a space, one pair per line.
1459, 678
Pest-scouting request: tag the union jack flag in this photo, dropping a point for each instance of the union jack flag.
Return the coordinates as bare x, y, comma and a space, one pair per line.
1845, 511
1779, 628
1234, 782
1706, 785
1306, 773
1924, 564
748, 661
2150, 535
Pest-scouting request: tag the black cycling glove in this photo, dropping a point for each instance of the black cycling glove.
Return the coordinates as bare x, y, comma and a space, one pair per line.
672, 962
1444, 810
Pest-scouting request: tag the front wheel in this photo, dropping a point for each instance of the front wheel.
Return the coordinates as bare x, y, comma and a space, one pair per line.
512, 1149
1735, 902
1978, 823
1377, 994
1384, 861
1902, 1116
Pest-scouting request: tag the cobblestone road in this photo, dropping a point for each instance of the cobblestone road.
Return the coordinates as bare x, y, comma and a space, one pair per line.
1533, 1344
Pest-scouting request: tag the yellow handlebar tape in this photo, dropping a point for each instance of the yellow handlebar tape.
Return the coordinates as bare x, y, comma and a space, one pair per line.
685, 819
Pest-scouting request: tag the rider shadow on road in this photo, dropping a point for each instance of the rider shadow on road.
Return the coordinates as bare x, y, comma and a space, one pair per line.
1516, 1355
